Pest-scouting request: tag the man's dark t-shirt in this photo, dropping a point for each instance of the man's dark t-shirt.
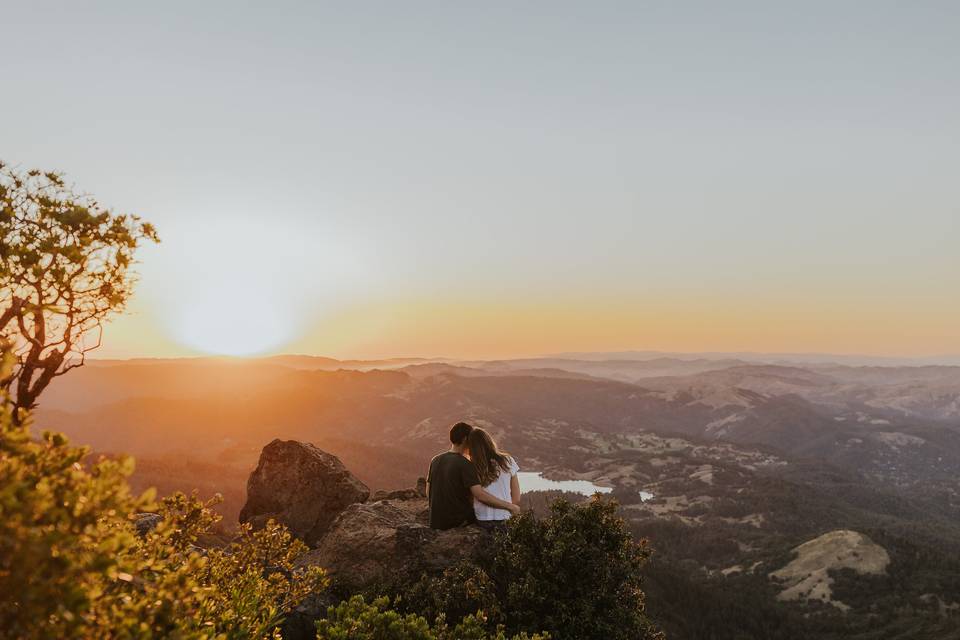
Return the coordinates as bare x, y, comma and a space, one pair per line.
451, 503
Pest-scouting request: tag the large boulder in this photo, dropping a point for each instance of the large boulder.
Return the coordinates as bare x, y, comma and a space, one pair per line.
302, 487
374, 543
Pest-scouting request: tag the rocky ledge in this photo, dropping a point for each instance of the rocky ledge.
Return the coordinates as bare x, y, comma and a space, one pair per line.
361, 542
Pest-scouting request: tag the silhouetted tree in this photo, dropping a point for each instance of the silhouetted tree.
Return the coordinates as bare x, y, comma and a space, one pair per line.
65, 266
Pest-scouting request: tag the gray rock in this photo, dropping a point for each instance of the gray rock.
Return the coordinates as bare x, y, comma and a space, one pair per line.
302, 487
146, 522
375, 542
399, 494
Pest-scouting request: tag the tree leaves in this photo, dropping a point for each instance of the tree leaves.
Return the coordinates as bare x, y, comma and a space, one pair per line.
61, 252
71, 565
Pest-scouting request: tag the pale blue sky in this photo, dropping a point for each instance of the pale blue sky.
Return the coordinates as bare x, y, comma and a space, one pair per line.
761, 153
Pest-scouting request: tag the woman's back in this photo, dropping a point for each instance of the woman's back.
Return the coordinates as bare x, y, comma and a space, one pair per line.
499, 488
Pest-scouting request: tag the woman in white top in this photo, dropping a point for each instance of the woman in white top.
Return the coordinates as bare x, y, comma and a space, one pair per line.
498, 475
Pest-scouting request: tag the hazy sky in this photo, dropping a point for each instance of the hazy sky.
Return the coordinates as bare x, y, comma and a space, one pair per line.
405, 178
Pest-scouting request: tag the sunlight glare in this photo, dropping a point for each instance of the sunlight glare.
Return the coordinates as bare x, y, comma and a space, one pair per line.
226, 320
250, 287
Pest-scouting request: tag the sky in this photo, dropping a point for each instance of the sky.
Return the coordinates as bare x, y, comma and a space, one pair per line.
497, 179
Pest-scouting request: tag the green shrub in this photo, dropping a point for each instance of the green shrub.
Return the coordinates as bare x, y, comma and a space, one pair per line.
71, 565
355, 619
461, 590
575, 574
64, 539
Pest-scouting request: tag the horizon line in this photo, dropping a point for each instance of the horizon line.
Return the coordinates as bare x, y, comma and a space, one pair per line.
945, 359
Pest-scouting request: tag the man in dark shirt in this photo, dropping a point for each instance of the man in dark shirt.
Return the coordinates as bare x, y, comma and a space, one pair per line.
452, 485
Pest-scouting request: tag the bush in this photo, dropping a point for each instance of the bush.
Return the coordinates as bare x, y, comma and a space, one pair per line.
575, 574
458, 592
64, 540
355, 619
71, 565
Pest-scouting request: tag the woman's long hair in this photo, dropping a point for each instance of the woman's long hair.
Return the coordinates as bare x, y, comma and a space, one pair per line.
488, 460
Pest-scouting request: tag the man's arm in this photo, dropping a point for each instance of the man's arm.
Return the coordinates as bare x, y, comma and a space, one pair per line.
426, 488
490, 500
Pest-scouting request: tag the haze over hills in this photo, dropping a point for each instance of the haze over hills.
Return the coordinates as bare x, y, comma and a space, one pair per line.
753, 356
751, 459
792, 408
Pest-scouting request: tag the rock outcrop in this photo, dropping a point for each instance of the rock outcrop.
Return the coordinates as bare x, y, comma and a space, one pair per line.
374, 542
302, 487
400, 494
360, 543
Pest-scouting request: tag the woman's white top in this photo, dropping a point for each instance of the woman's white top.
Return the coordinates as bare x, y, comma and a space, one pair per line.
499, 488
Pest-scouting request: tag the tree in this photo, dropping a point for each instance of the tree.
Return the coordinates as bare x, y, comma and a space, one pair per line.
65, 267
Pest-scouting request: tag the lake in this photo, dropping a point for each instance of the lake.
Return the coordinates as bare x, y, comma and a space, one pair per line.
534, 481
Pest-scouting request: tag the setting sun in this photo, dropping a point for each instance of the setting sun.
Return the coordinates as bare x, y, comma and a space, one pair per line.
207, 322
249, 285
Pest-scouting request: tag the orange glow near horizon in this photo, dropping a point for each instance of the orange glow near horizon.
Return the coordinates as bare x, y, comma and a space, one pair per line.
485, 329
247, 286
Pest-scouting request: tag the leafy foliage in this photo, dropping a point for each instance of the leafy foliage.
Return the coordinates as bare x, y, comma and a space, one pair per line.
65, 266
355, 619
458, 592
63, 534
575, 574
72, 566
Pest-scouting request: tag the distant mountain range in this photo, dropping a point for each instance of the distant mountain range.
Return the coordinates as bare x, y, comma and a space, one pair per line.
854, 360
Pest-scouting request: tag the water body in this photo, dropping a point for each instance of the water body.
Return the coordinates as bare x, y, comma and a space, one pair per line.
534, 481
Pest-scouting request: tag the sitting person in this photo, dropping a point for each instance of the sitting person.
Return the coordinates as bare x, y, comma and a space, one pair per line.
453, 485
497, 473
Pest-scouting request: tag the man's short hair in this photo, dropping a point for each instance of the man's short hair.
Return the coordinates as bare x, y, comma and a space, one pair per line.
459, 432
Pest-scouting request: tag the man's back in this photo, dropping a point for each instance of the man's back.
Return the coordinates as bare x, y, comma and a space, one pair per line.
450, 477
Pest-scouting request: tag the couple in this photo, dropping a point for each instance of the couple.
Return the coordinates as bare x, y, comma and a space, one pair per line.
482, 489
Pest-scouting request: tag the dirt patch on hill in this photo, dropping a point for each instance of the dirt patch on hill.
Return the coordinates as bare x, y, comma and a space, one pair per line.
807, 576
